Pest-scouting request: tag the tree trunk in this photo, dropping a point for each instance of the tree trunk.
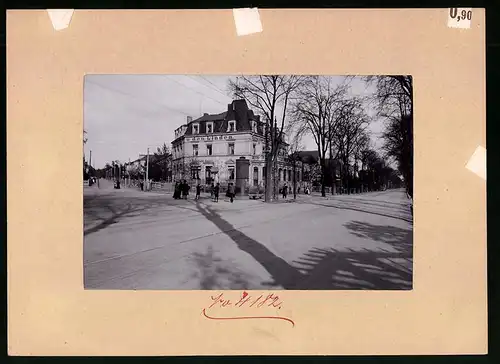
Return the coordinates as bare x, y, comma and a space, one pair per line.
347, 178
334, 168
275, 178
323, 175
268, 186
294, 180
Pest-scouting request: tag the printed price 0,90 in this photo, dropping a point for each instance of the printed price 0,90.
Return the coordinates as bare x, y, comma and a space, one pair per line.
464, 14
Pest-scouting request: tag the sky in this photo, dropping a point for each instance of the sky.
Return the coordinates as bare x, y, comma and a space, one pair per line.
124, 115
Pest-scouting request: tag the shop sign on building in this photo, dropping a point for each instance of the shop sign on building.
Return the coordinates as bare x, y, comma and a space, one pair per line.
210, 138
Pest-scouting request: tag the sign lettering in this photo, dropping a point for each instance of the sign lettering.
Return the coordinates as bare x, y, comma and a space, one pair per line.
210, 138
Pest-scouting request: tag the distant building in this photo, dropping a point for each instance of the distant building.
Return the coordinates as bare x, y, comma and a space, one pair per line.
311, 169
206, 149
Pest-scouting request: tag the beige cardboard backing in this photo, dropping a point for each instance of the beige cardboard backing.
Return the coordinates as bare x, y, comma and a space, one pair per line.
49, 313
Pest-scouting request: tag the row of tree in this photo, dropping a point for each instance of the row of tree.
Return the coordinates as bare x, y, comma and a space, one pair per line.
338, 121
159, 167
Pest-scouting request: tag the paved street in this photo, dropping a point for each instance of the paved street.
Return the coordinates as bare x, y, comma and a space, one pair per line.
148, 240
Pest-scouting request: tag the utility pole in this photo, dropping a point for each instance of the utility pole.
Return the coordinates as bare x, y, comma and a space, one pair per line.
146, 176
147, 168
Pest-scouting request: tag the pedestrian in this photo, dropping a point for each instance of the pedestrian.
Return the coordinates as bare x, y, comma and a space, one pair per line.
185, 191
141, 183
176, 190
216, 192
298, 190
212, 190
198, 191
230, 190
285, 190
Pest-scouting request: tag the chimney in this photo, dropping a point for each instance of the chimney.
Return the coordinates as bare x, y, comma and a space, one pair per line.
189, 119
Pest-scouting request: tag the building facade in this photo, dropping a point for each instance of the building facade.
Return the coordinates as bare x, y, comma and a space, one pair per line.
206, 149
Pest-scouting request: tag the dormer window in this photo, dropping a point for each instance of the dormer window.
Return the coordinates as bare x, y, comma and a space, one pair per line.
210, 128
231, 126
254, 126
196, 128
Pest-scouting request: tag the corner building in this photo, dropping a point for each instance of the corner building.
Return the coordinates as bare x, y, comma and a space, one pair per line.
206, 149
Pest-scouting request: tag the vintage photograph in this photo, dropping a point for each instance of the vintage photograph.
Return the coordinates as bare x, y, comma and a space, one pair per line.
203, 182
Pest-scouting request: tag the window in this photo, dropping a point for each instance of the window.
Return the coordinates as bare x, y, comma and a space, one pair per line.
231, 148
209, 149
231, 126
289, 175
210, 128
231, 172
208, 174
255, 176
195, 173
196, 128
254, 149
280, 175
195, 149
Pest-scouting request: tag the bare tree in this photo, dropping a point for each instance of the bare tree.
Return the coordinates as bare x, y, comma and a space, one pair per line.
394, 100
350, 136
297, 132
162, 160
321, 106
268, 95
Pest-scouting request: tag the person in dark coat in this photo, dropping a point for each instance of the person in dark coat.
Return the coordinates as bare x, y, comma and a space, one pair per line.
185, 190
198, 191
216, 192
285, 190
230, 191
177, 190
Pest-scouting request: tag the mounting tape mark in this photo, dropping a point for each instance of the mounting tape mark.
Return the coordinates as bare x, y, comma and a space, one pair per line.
60, 18
247, 21
477, 163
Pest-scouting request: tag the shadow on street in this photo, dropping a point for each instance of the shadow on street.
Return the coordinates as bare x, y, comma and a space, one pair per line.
324, 269
399, 212
214, 273
106, 211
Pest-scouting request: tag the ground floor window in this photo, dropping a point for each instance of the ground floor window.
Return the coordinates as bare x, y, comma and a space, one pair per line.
208, 174
255, 176
231, 173
195, 173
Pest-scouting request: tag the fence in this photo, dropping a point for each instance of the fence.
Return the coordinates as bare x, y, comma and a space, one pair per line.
162, 186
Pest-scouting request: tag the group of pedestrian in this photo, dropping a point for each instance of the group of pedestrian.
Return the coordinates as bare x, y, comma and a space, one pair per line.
181, 190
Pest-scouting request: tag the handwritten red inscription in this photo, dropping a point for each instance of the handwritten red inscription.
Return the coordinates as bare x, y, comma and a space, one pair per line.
246, 300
